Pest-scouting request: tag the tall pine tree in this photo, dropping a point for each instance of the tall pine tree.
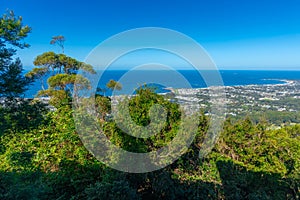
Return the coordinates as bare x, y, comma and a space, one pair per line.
12, 32
16, 113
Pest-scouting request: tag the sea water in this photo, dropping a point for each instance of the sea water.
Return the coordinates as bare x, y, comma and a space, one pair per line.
194, 78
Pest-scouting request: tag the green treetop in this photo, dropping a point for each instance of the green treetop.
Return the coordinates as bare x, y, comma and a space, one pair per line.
60, 41
62, 70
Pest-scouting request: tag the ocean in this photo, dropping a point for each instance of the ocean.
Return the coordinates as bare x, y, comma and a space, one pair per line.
178, 79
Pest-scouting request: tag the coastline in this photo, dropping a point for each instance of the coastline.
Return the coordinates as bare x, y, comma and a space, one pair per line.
286, 82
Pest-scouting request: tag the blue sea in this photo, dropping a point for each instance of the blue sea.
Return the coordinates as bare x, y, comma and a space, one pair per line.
179, 79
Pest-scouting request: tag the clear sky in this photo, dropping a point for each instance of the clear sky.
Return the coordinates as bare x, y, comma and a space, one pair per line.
238, 34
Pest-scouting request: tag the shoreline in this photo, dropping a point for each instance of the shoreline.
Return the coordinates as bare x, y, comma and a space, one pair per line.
284, 82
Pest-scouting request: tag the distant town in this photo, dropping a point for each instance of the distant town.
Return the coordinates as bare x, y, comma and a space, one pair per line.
279, 103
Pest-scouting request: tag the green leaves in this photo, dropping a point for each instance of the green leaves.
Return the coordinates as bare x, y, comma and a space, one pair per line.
12, 82
37, 72
114, 85
47, 60
63, 77
60, 81
12, 30
136, 118
259, 149
61, 63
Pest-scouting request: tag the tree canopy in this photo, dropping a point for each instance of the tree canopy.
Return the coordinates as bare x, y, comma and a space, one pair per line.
62, 79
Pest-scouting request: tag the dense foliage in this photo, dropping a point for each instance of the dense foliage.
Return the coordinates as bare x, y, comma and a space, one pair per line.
12, 33
249, 162
42, 156
61, 70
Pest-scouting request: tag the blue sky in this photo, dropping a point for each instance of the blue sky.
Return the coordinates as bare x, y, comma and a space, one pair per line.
237, 34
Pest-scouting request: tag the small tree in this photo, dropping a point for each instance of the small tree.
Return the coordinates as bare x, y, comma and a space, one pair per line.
110, 85
114, 85
60, 41
63, 78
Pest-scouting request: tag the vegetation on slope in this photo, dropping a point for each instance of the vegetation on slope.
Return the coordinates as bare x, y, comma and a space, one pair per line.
42, 156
